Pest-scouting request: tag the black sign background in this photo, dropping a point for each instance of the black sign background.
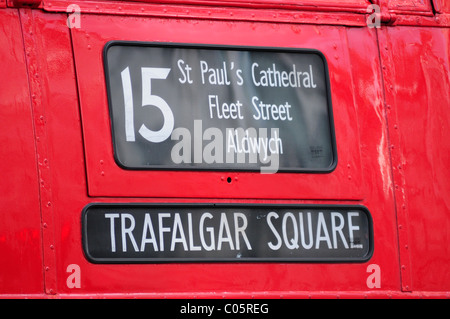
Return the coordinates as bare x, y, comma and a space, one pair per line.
308, 142
268, 233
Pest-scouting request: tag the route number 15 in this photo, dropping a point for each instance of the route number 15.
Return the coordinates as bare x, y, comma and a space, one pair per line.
148, 100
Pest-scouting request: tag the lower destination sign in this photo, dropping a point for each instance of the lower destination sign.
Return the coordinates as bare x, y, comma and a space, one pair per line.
161, 233
198, 107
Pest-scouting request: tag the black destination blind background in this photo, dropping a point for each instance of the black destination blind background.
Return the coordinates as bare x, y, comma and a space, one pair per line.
149, 233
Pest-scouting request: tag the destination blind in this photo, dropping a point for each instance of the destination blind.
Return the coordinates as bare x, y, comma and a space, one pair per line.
133, 233
175, 106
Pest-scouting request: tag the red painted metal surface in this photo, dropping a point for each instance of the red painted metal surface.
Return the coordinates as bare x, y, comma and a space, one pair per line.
441, 6
20, 224
390, 91
418, 122
419, 6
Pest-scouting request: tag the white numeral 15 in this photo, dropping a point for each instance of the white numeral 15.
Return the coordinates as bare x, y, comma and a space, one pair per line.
148, 99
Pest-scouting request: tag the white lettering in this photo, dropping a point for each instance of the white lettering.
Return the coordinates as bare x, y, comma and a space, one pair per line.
338, 229
291, 243
210, 230
302, 231
162, 229
128, 231
322, 227
241, 230
224, 227
269, 112
112, 230
186, 76
148, 227
351, 229
178, 227
272, 77
274, 231
192, 247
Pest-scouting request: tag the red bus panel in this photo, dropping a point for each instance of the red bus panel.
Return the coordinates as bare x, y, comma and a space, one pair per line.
389, 89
